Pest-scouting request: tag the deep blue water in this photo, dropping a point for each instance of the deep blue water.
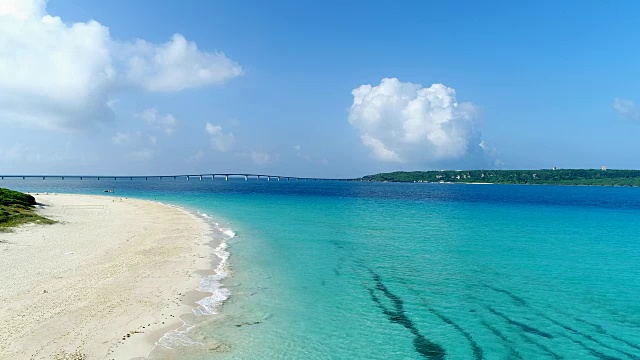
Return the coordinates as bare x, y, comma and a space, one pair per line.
350, 270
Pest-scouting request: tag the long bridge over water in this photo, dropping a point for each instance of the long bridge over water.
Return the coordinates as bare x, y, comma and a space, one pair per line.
176, 177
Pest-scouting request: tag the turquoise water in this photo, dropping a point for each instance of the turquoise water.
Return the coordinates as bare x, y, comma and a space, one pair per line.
412, 271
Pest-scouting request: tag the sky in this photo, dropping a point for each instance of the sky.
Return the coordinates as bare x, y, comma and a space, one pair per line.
323, 89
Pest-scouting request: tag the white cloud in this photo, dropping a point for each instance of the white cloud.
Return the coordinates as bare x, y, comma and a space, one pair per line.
63, 76
484, 145
296, 147
220, 140
379, 149
260, 158
492, 153
626, 108
176, 65
405, 122
120, 138
22, 9
166, 123
52, 75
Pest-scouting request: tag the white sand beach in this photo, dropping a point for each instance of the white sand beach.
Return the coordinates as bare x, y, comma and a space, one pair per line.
106, 282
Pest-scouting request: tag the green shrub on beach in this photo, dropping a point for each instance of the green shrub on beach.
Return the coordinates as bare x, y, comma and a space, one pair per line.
10, 197
17, 208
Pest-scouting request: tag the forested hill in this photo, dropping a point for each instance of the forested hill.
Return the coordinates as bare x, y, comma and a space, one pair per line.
545, 176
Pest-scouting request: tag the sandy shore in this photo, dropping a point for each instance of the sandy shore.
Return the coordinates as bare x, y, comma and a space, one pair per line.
106, 283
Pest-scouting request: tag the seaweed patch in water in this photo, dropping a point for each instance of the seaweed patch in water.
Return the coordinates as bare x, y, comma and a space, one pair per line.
477, 350
523, 327
422, 345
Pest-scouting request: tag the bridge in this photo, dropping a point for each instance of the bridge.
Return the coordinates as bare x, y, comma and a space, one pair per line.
176, 177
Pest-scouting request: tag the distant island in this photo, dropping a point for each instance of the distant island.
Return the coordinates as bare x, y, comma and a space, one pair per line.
601, 177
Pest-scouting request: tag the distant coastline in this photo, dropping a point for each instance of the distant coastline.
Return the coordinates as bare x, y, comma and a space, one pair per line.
585, 177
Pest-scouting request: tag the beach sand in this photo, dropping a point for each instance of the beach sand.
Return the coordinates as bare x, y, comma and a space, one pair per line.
106, 282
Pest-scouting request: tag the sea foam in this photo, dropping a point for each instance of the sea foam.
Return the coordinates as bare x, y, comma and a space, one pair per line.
213, 283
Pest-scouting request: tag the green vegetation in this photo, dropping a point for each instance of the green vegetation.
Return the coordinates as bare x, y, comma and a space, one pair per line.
541, 177
17, 208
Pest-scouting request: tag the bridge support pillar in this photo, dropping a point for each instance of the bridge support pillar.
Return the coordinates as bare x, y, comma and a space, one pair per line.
246, 178
226, 178
278, 178
200, 177
268, 178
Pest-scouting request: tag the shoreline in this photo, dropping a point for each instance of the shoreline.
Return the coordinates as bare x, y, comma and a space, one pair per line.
110, 280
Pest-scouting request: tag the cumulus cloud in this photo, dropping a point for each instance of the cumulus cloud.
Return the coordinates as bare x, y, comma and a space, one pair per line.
260, 158
22, 9
56, 75
379, 149
220, 140
52, 75
176, 65
406, 122
626, 108
166, 123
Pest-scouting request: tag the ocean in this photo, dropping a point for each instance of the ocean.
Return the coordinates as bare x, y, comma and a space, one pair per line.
351, 270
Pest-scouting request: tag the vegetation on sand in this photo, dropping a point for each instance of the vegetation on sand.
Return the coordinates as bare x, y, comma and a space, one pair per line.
17, 208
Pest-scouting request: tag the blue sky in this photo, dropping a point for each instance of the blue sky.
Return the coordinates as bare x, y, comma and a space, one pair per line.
524, 86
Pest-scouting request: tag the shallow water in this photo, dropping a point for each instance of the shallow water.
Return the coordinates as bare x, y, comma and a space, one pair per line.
341, 270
